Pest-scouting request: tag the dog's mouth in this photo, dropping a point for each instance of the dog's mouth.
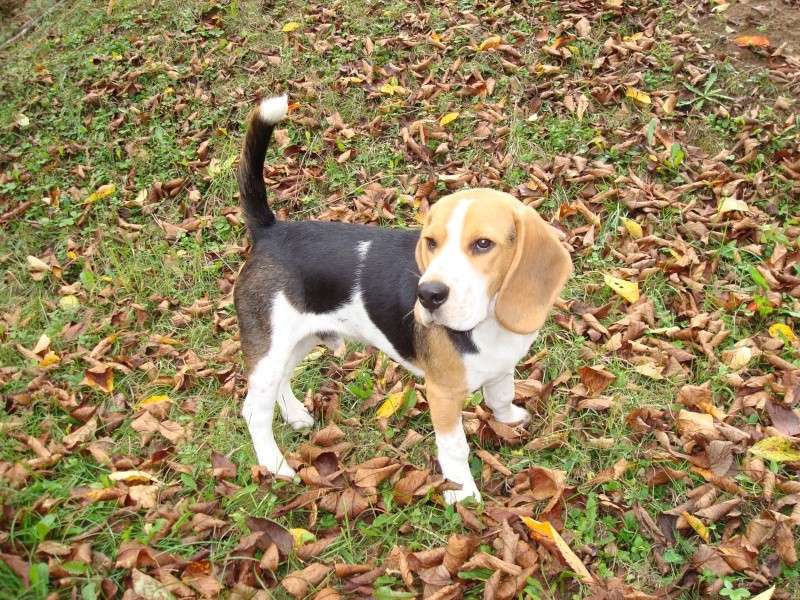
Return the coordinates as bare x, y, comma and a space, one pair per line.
427, 318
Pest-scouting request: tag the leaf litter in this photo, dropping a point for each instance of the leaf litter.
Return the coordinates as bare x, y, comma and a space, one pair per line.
687, 283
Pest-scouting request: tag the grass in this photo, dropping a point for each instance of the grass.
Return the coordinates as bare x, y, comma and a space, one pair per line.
131, 97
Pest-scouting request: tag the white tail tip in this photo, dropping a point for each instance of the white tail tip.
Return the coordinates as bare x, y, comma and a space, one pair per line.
272, 110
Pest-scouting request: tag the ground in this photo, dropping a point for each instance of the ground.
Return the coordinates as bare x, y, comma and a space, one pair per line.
662, 458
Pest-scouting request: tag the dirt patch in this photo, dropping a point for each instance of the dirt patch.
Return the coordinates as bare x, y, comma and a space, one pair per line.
778, 20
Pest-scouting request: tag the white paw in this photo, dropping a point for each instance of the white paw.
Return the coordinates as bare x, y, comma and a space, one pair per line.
299, 418
513, 414
469, 490
276, 464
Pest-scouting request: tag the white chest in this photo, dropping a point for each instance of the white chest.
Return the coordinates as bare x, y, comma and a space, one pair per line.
499, 350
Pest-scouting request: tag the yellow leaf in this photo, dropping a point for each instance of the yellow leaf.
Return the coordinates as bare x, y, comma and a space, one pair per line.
638, 95
543, 69
545, 530
490, 43
633, 227
436, 37
448, 118
697, 525
732, 204
290, 27
634, 37
779, 330
392, 88
69, 303
51, 358
390, 405
150, 400
776, 448
627, 289
104, 191
301, 536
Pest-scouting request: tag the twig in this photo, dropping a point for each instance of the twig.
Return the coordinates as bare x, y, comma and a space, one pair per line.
31, 24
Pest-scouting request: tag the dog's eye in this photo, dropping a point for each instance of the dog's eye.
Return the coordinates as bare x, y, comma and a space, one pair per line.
431, 244
482, 245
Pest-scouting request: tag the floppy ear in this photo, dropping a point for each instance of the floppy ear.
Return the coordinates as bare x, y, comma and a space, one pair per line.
420, 255
534, 279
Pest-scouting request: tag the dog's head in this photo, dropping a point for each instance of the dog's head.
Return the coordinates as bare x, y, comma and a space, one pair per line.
480, 252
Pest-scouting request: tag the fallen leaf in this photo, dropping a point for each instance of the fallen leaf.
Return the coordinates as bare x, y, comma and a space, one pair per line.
104, 191
290, 27
595, 379
100, 377
297, 583
390, 406
544, 529
448, 118
131, 477
776, 448
301, 536
633, 228
638, 95
490, 43
693, 423
782, 331
746, 41
697, 525
765, 595
82, 434
732, 204
148, 587
629, 290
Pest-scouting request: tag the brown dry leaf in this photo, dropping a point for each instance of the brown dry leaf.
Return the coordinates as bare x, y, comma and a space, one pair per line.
148, 587
297, 583
595, 379
459, 548
693, 423
100, 377
406, 486
611, 474
546, 484
81, 434
222, 467
144, 495
783, 419
273, 533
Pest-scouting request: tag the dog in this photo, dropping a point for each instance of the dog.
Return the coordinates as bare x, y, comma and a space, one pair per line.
459, 303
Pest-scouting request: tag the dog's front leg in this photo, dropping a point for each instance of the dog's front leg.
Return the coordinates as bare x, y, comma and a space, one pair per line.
499, 396
446, 402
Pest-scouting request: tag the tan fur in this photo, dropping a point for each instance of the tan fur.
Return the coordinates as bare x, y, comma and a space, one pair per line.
535, 277
527, 267
445, 377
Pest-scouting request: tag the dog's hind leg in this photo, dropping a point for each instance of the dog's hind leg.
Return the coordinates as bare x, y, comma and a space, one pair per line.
499, 396
292, 410
264, 385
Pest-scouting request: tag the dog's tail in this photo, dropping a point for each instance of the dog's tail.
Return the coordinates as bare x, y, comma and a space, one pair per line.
252, 192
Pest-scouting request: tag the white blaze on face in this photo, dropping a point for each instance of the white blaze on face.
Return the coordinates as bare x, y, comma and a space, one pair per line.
468, 301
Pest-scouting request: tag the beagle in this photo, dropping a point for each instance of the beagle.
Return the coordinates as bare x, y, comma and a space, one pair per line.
458, 303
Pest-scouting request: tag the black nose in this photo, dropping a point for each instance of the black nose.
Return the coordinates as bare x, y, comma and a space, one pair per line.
432, 294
